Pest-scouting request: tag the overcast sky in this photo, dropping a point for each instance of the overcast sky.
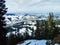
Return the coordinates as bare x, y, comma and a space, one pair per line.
33, 6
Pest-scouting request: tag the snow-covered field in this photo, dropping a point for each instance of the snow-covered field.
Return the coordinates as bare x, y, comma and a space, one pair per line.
35, 42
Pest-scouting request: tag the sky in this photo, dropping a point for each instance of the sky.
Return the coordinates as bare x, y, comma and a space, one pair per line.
33, 6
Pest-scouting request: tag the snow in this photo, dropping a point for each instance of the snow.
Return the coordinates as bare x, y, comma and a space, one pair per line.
35, 28
34, 42
29, 32
56, 44
8, 34
57, 25
23, 30
29, 19
21, 18
7, 21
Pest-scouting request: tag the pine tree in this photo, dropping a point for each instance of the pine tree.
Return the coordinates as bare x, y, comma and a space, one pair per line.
51, 25
50, 21
2, 23
37, 32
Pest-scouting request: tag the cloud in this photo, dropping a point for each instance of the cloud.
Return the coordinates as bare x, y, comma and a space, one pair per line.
33, 5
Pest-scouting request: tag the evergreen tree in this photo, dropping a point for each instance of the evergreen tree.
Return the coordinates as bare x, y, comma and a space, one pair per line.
2, 23
50, 21
37, 32
51, 26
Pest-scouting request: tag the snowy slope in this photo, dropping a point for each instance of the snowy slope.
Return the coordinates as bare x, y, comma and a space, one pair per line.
15, 19
35, 42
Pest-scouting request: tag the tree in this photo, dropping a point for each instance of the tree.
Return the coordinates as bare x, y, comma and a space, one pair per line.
37, 32
50, 21
52, 30
11, 39
2, 23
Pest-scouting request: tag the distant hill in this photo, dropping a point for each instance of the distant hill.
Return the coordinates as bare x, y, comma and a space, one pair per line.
10, 14
37, 14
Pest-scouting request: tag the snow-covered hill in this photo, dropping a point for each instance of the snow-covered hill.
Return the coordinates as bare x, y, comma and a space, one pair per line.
23, 21
12, 19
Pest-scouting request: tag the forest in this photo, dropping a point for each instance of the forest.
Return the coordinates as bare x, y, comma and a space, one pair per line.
45, 29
